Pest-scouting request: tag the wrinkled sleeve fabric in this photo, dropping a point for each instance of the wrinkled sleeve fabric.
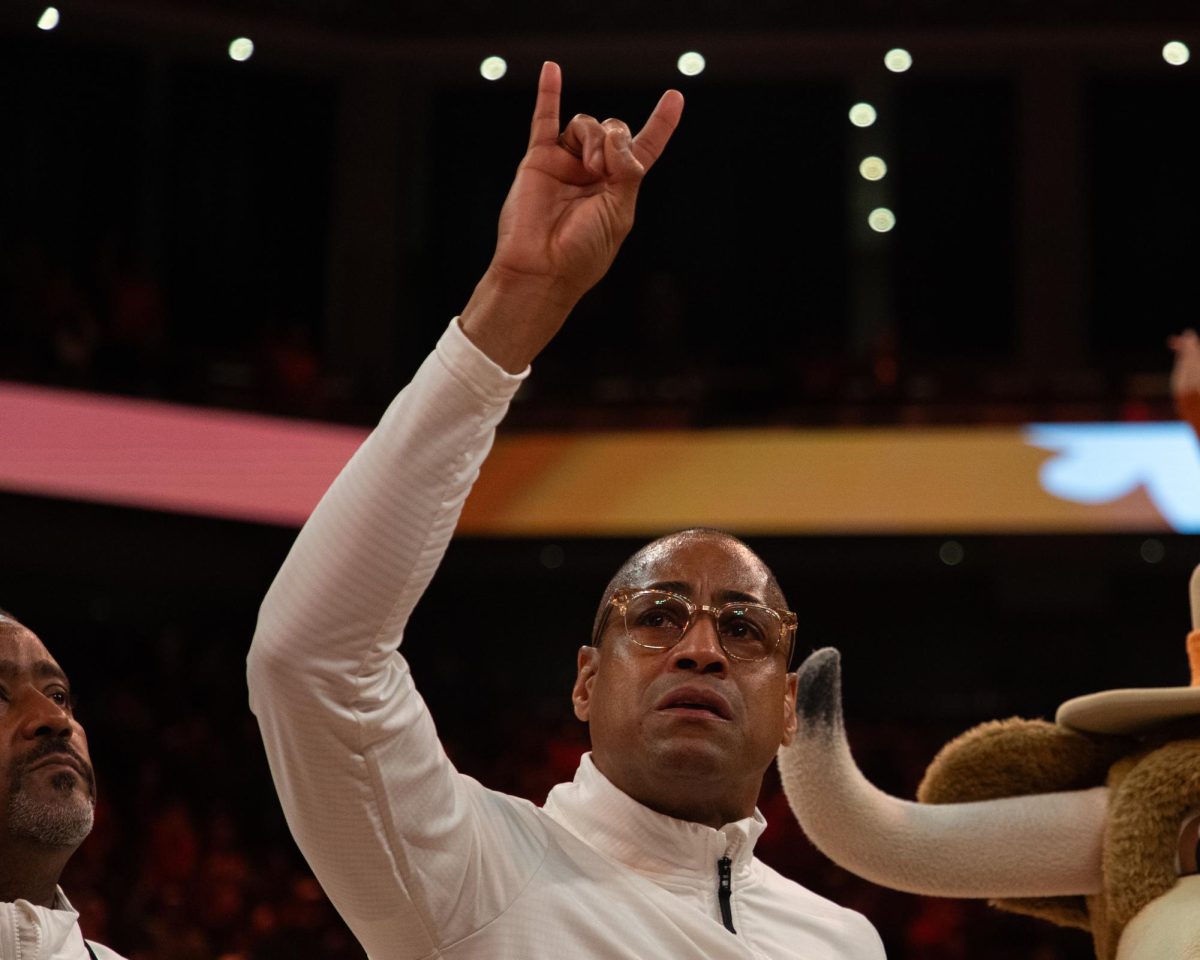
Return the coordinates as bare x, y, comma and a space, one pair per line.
414, 855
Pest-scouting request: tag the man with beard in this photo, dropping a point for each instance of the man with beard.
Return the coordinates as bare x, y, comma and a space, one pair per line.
47, 802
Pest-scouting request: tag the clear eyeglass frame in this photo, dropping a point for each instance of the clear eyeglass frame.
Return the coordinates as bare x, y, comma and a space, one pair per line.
621, 599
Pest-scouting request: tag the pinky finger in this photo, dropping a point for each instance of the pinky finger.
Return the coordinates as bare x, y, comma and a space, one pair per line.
652, 139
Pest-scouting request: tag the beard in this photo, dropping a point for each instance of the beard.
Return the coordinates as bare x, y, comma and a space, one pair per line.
64, 819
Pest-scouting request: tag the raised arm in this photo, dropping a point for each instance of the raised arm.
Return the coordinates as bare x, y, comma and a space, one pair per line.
403, 845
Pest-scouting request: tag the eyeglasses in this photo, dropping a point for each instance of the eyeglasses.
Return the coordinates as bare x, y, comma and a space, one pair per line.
658, 619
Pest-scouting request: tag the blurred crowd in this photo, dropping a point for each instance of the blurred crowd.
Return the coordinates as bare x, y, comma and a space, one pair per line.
191, 860
107, 324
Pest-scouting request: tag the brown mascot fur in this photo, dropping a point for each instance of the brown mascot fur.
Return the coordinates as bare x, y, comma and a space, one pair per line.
1154, 792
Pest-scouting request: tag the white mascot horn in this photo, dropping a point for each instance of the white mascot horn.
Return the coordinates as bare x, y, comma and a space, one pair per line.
1033, 846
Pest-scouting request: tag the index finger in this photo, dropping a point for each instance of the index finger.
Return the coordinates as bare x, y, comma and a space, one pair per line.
544, 126
652, 139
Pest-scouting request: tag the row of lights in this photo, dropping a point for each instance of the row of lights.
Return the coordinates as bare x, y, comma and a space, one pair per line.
897, 60
690, 64
240, 49
872, 168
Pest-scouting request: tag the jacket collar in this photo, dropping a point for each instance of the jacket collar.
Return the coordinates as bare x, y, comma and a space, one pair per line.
611, 821
39, 932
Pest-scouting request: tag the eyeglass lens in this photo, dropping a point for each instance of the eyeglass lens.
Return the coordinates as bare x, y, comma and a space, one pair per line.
658, 620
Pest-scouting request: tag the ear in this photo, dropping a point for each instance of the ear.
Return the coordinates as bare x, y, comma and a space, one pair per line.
789, 710
586, 665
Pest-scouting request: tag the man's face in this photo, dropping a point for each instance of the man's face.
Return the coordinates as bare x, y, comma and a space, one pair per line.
659, 751
47, 787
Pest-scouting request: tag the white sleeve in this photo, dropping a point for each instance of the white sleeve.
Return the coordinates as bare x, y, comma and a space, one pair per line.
412, 854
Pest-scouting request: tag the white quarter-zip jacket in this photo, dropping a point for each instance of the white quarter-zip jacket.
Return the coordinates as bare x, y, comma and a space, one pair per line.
30, 932
421, 861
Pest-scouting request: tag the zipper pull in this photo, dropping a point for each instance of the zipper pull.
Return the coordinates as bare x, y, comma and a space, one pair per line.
725, 891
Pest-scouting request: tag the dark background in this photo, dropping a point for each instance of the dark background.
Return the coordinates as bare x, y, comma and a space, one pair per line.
291, 234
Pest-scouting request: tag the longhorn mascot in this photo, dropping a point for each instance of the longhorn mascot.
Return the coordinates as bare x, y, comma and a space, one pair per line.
1092, 821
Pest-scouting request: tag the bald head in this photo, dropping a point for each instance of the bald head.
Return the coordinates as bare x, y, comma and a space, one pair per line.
632, 573
677, 756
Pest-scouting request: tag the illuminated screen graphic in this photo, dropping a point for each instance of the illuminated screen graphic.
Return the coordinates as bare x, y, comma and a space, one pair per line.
1041, 478
1100, 463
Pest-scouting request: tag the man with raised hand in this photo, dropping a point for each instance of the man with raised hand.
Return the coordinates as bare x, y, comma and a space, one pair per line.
47, 802
648, 853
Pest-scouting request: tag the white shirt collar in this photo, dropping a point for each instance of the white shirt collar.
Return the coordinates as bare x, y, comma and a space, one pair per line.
42, 932
606, 818
62, 903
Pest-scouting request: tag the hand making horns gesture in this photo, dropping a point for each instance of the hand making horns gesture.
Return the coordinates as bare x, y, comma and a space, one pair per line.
567, 212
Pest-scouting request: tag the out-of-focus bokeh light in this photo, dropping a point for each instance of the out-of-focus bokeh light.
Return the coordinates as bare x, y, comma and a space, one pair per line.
862, 115
951, 553
897, 60
49, 19
241, 49
1176, 53
493, 68
691, 64
873, 168
881, 220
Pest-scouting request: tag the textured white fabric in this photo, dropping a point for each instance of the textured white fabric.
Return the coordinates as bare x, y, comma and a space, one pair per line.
30, 932
420, 860
1167, 928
